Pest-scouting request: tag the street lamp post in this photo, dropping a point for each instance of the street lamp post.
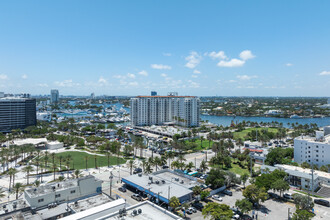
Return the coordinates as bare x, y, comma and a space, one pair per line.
111, 177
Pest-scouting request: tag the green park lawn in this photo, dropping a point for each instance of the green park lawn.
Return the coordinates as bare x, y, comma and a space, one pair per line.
199, 147
80, 163
243, 134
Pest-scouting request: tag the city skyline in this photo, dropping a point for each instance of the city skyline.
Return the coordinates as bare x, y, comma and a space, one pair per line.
237, 48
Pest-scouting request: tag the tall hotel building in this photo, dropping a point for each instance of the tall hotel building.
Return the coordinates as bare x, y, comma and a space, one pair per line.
159, 110
17, 112
54, 96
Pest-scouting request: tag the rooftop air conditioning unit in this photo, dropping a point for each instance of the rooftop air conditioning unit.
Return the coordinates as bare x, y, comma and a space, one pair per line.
157, 182
140, 174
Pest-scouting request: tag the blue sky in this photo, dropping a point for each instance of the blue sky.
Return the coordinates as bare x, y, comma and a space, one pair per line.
238, 48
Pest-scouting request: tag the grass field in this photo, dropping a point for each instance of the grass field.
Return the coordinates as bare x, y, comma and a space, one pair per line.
235, 168
80, 163
197, 142
243, 134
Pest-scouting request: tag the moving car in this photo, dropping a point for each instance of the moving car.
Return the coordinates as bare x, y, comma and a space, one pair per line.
322, 202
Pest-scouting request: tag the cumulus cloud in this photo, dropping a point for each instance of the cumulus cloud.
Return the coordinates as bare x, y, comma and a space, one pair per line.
197, 72
133, 83
67, 83
3, 77
214, 55
193, 59
193, 84
167, 54
160, 67
245, 77
246, 55
131, 75
288, 64
102, 81
143, 73
323, 73
24, 76
163, 75
231, 63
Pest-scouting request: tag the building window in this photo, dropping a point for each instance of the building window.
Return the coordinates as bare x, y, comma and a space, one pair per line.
57, 195
73, 191
40, 200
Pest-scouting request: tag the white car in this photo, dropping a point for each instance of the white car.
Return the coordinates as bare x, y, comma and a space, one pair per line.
217, 197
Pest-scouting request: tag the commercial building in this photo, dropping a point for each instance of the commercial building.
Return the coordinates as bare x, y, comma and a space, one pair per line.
313, 150
17, 112
300, 177
54, 96
160, 110
163, 185
63, 191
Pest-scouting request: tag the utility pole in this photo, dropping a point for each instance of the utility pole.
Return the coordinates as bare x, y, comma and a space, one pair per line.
195, 163
288, 213
169, 190
251, 165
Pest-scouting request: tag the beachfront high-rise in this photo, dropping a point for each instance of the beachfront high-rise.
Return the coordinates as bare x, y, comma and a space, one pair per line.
160, 110
17, 112
54, 96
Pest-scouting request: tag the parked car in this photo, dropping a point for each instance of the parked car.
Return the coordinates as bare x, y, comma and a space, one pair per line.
122, 189
192, 209
137, 170
288, 195
166, 167
137, 197
217, 197
199, 206
227, 192
322, 202
189, 212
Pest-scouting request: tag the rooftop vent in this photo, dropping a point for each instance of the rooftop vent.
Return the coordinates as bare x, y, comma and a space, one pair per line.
157, 182
182, 182
139, 211
163, 181
140, 174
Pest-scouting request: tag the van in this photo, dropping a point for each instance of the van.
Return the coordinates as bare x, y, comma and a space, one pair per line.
322, 202
227, 192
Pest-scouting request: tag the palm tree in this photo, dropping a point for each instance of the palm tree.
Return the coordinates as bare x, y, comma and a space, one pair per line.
68, 161
203, 166
77, 173
37, 183
60, 157
190, 165
170, 155
131, 165
18, 188
148, 168
54, 168
28, 169
157, 162
86, 161
12, 172
108, 155
95, 158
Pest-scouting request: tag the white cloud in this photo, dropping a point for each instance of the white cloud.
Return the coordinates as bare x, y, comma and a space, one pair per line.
143, 73
131, 75
245, 77
232, 81
231, 63
43, 85
197, 72
193, 84
24, 76
163, 75
323, 73
246, 55
160, 67
193, 60
3, 77
102, 81
66, 83
133, 83
289, 64
118, 76
194, 76
214, 55
167, 54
